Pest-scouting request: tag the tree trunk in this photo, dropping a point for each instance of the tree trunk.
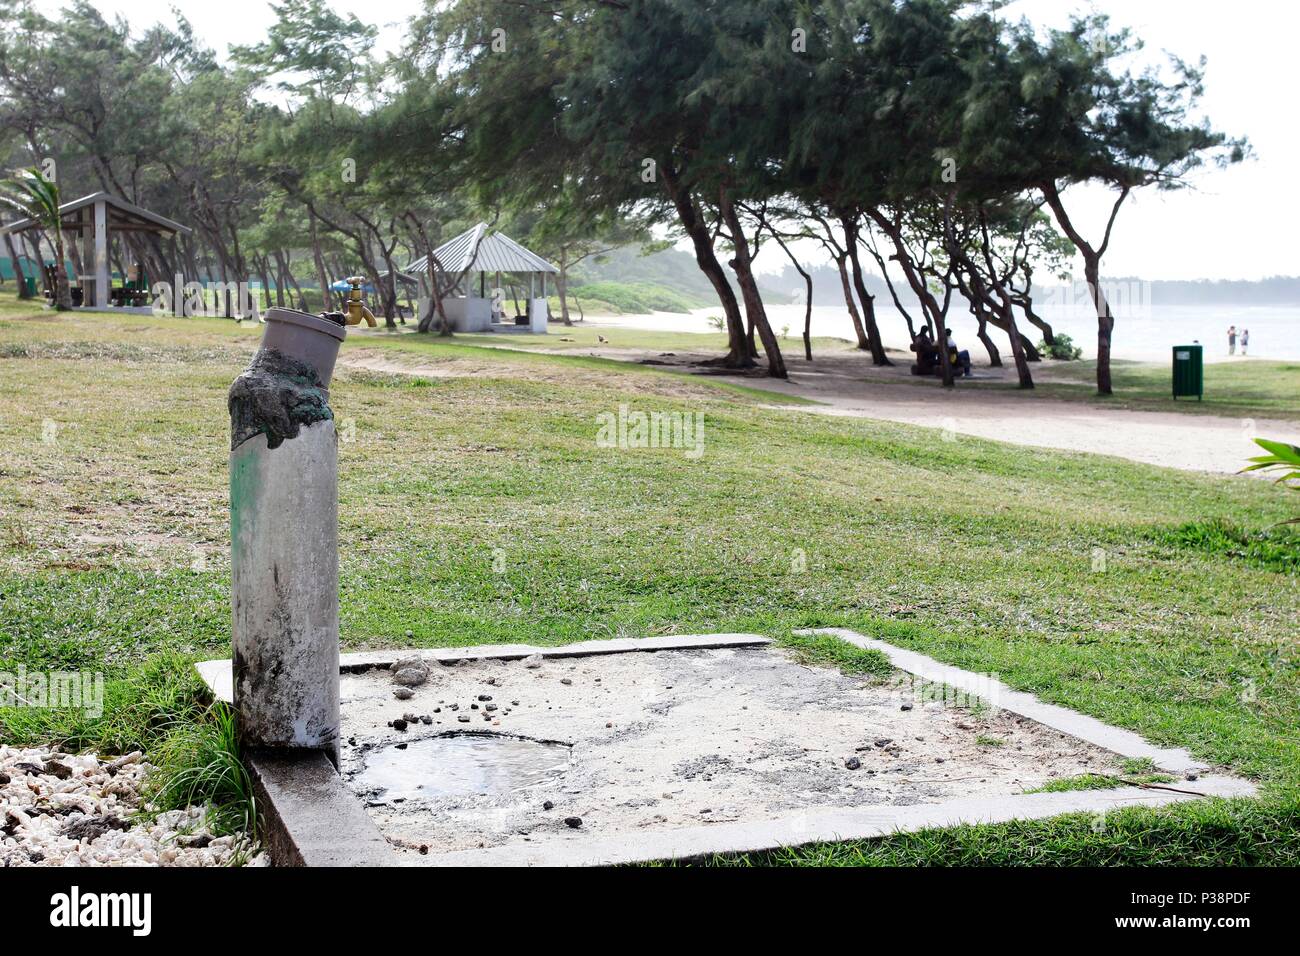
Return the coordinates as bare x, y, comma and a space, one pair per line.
161, 260
286, 271
841, 261
1001, 304
322, 276
893, 294
981, 316
1105, 322
876, 346
436, 293
807, 320
1026, 303
280, 277
742, 266
280, 274
999, 301
1018, 349
37, 258
263, 264
17, 266
62, 294
387, 289
689, 214
808, 283
1092, 274
562, 290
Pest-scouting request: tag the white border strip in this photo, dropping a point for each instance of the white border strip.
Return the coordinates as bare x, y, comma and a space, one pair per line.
1123, 742
216, 674
816, 826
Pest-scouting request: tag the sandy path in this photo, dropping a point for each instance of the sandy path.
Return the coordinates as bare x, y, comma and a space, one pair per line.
1174, 440
1187, 441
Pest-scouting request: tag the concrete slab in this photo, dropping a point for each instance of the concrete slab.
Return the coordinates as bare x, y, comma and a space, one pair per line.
318, 820
217, 675
493, 752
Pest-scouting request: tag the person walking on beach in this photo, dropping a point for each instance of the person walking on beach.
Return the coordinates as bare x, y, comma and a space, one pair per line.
1232, 340
1245, 340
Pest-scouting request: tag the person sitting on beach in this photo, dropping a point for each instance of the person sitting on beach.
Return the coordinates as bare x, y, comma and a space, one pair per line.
1232, 340
957, 357
1245, 340
927, 356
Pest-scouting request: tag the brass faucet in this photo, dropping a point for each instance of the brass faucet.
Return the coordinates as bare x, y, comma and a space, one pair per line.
356, 308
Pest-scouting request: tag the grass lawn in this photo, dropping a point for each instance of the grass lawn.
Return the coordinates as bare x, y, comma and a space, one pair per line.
1243, 388
113, 552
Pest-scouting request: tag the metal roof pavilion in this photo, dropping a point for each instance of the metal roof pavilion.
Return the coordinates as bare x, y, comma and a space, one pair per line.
122, 216
478, 250
92, 220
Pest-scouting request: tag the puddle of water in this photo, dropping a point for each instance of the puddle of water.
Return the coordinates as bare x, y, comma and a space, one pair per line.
461, 765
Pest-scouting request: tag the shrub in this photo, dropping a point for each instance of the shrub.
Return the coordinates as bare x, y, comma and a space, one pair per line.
1062, 348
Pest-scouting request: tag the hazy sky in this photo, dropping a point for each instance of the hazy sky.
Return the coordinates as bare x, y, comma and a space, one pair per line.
1235, 224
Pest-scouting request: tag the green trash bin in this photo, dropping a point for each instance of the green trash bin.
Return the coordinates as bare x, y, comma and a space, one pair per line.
30, 282
1189, 372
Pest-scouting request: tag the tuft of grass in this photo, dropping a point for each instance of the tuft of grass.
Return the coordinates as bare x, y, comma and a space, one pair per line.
825, 650
388, 379
1084, 781
140, 709
984, 740
198, 762
1137, 766
1135, 771
1274, 548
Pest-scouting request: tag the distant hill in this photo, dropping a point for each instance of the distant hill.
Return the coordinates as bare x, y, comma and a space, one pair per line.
671, 269
827, 287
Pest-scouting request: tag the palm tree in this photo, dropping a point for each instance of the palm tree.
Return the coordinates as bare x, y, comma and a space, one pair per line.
34, 195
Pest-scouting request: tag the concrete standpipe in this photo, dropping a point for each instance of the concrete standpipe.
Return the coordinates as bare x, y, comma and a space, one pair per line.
284, 564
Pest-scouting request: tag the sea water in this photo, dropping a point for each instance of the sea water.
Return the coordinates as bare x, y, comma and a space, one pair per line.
1144, 334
